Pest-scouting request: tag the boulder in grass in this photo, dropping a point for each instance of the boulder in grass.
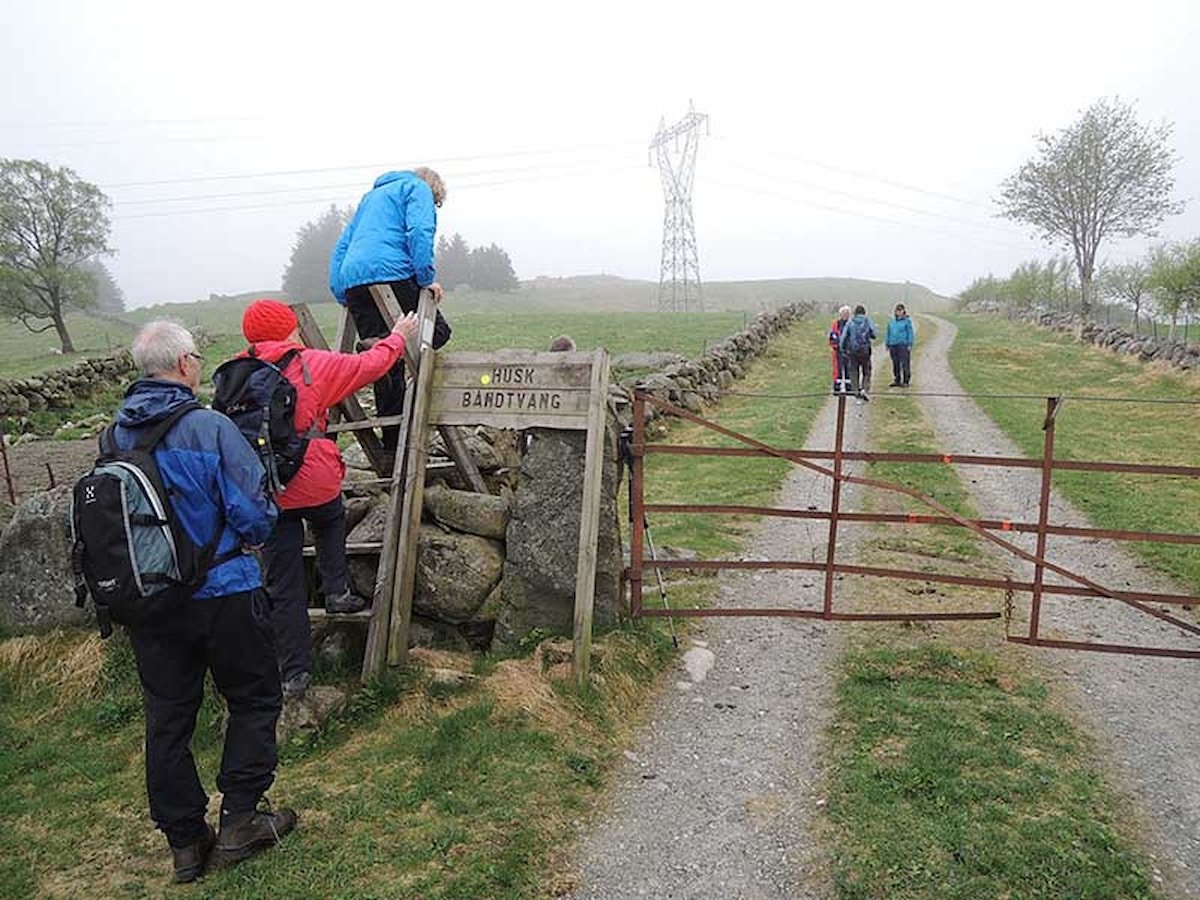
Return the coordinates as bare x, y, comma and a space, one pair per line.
37, 589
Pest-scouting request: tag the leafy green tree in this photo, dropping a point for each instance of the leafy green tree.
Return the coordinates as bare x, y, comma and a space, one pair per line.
1174, 279
1129, 284
453, 260
1106, 175
52, 224
306, 277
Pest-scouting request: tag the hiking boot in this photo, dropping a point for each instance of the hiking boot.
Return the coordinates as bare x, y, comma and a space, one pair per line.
244, 835
895, 384
345, 602
190, 861
296, 686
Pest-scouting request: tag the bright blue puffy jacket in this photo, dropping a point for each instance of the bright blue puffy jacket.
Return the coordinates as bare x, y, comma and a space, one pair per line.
390, 237
212, 473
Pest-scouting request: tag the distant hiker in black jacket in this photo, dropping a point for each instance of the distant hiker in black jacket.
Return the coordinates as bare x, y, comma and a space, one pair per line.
856, 340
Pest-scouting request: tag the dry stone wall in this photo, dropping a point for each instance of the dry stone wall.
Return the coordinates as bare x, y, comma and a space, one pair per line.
66, 387
1145, 347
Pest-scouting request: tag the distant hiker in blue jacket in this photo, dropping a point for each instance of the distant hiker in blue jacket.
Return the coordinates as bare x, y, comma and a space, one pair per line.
215, 482
390, 241
856, 338
899, 341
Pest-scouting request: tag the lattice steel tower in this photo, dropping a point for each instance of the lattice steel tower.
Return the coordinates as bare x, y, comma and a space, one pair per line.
679, 277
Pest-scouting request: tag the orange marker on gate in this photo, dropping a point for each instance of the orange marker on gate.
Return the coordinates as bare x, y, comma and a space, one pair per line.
1006, 525
946, 458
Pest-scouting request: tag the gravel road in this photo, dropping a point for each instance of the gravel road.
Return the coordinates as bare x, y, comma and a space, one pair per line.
717, 797
1144, 711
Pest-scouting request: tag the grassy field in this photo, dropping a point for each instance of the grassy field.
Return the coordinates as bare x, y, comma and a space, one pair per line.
522, 318
994, 356
956, 775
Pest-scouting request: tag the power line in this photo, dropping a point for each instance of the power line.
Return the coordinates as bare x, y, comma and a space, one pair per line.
339, 199
864, 175
880, 201
588, 165
775, 195
392, 164
675, 147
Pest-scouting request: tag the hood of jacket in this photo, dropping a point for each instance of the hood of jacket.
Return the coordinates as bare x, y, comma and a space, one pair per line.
151, 400
389, 177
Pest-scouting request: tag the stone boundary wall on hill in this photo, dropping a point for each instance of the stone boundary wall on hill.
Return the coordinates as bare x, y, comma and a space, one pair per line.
705, 378
1145, 347
64, 388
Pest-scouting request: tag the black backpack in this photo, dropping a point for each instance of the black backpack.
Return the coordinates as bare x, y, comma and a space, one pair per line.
260, 400
128, 548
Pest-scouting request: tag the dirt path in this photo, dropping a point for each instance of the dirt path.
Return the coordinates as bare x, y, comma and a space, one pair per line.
719, 793
1145, 711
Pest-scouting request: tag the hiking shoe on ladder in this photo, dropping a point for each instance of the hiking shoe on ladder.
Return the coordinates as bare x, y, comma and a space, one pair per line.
345, 602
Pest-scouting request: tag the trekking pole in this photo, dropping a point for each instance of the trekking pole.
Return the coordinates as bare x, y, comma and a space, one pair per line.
626, 445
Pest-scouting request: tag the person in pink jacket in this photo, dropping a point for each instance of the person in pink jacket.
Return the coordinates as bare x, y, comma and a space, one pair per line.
322, 379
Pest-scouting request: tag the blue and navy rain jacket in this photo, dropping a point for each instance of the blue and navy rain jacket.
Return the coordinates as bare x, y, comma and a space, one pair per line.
211, 472
390, 237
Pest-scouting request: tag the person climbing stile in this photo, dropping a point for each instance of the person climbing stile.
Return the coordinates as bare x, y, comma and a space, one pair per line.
322, 378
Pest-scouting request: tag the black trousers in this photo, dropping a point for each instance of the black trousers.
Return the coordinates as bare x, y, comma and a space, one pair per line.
860, 373
230, 636
283, 557
901, 363
368, 321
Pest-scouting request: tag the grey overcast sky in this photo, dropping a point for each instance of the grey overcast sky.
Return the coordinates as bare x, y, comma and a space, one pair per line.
853, 139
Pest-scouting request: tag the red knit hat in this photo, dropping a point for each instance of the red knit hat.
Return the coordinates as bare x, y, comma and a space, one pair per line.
268, 320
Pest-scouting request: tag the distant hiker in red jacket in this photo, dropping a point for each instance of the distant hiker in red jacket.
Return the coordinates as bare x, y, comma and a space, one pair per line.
841, 364
322, 379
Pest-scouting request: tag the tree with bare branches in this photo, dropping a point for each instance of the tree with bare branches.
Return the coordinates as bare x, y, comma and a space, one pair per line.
1106, 175
53, 226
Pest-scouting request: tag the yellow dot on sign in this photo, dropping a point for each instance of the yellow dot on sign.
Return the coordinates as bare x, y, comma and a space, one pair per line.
485, 379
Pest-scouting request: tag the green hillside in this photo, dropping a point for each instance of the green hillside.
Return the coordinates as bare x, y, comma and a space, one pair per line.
592, 297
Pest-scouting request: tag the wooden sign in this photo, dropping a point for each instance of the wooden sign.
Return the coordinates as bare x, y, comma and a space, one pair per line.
513, 389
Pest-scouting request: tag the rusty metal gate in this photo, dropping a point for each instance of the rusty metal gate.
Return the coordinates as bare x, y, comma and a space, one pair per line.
989, 529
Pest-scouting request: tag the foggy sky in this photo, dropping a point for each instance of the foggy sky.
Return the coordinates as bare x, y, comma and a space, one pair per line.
866, 140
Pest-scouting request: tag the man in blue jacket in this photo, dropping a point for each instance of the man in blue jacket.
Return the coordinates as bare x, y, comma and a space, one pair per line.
899, 341
390, 241
215, 482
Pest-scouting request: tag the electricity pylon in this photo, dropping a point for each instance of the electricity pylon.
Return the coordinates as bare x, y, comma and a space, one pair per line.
679, 276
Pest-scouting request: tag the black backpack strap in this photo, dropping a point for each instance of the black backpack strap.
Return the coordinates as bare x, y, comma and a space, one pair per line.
149, 439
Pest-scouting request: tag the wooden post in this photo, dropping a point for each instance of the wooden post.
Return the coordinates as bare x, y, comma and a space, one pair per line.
383, 606
409, 533
834, 505
589, 521
1035, 607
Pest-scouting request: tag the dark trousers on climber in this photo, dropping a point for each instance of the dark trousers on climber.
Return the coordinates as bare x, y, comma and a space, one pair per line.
230, 636
286, 583
369, 322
